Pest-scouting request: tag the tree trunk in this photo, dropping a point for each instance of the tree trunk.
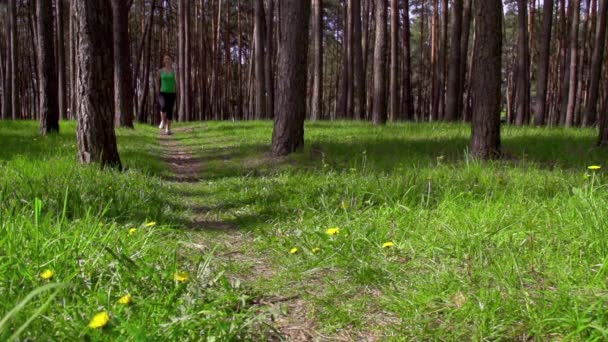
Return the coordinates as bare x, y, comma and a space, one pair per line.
259, 60
379, 109
123, 89
463, 107
269, 59
96, 137
394, 73
6, 86
572, 93
434, 62
317, 55
597, 62
47, 73
14, 57
485, 141
61, 67
288, 135
543, 65
359, 76
408, 101
454, 96
523, 66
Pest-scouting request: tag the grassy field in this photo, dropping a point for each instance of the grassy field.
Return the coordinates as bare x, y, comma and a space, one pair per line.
424, 242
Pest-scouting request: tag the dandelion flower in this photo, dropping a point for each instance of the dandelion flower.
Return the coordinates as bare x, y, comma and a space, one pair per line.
132, 231
181, 276
100, 320
388, 245
594, 168
333, 231
150, 224
47, 275
316, 250
293, 250
126, 299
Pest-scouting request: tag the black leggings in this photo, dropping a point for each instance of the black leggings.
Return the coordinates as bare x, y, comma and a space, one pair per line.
167, 102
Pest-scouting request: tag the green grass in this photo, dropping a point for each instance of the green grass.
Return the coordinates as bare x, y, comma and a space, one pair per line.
502, 250
505, 250
75, 220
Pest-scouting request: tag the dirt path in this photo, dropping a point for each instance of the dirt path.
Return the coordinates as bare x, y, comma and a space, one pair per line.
186, 171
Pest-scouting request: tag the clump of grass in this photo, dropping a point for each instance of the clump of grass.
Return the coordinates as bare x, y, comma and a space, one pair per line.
75, 240
513, 249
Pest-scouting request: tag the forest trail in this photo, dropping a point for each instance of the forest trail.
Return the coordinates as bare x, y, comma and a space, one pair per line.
290, 313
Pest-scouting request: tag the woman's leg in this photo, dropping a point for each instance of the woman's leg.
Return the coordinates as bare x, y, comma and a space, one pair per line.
163, 120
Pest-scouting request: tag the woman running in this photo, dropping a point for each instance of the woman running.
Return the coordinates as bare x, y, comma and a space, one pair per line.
167, 94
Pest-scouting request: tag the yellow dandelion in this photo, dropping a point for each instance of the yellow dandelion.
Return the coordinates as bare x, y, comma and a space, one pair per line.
294, 250
594, 168
132, 231
150, 224
316, 250
181, 276
388, 245
333, 231
126, 299
100, 320
47, 275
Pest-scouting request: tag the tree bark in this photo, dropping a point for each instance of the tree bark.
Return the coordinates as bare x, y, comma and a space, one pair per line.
523, 66
597, 62
543, 65
96, 137
123, 79
408, 101
454, 92
288, 134
61, 67
359, 76
47, 69
14, 57
394, 73
379, 115
317, 55
259, 60
269, 59
486, 71
572, 91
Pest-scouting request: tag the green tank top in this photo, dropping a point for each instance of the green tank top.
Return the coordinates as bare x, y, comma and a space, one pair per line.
167, 82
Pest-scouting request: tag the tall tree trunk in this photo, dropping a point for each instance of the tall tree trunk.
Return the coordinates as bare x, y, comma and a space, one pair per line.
485, 141
454, 96
259, 60
47, 73
380, 110
317, 55
288, 134
123, 89
435, 62
443, 59
61, 66
572, 93
96, 137
359, 76
14, 57
523, 66
463, 107
269, 59
6, 86
394, 73
408, 101
597, 62
543, 64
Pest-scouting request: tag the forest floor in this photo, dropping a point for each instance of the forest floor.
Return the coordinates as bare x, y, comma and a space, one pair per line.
389, 233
